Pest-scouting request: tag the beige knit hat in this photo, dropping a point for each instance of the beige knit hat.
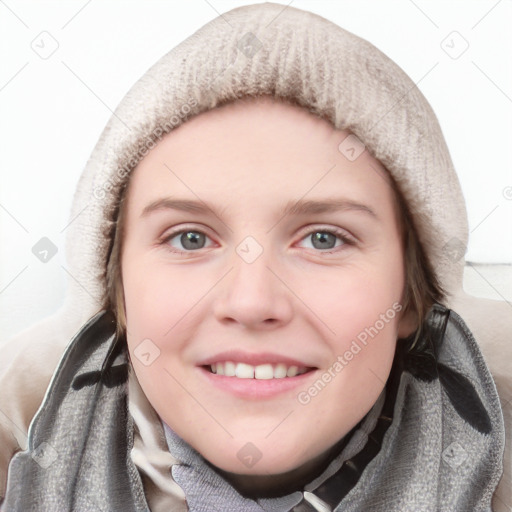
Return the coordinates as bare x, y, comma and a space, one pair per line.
261, 49
332, 73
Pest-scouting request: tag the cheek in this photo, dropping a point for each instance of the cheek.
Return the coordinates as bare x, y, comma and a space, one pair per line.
157, 297
159, 315
356, 297
360, 309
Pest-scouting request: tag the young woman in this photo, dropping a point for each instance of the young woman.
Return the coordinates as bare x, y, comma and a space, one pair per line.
271, 246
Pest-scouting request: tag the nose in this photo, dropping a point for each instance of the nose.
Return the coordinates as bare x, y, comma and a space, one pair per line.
254, 295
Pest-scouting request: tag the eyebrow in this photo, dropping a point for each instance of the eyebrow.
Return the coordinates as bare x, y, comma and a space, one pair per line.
300, 207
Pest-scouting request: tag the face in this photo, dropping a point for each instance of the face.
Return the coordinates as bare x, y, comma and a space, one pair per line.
259, 247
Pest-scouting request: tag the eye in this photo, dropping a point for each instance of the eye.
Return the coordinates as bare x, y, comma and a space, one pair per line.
325, 240
186, 240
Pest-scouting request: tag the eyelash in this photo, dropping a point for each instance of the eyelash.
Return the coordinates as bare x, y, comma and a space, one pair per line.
342, 235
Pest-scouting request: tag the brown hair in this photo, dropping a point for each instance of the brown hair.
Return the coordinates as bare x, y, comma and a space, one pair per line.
422, 287
114, 296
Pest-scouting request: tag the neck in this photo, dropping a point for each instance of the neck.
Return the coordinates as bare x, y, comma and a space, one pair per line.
281, 484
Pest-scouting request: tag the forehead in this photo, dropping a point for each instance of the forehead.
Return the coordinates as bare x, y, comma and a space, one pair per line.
256, 152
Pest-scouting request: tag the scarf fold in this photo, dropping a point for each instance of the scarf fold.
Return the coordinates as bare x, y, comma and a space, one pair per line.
441, 451
208, 491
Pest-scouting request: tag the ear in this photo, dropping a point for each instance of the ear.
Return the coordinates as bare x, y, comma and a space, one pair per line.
407, 324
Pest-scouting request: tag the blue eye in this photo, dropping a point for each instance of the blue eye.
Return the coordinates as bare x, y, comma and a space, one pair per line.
190, 240
324, 240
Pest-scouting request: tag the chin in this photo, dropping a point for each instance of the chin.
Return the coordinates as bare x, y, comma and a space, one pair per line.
256, 459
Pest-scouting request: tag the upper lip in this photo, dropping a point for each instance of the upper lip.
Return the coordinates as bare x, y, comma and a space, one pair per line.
255, 359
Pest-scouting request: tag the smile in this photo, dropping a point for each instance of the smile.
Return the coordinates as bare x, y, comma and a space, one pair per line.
260, 372
255, 376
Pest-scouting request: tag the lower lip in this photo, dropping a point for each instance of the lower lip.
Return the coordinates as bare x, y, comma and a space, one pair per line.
255, 388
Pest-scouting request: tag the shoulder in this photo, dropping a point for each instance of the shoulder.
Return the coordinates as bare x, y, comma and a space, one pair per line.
28, 362
490, 322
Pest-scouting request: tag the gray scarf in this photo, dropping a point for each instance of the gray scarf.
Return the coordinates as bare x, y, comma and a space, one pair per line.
433, 441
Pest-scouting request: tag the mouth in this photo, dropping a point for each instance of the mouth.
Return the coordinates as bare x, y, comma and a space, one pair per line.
255, 376
265, 371
262, 382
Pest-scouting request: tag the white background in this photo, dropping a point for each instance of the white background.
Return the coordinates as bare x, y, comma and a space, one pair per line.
53, 110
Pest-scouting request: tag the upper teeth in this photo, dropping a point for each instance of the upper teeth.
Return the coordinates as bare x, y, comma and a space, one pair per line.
262, 371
